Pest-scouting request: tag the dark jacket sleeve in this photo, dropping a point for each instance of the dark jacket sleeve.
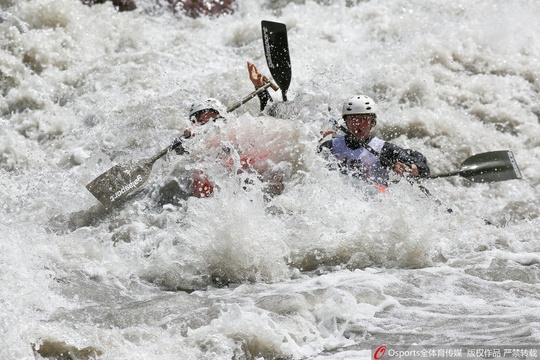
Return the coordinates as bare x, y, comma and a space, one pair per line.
325, 149
325, 145
264, 99
390, 154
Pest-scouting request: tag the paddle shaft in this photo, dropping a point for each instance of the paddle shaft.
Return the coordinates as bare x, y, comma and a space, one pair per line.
160, 154
249, 97
448, 174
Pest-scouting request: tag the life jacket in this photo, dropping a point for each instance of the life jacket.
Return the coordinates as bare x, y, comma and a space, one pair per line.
202, 186
361, 162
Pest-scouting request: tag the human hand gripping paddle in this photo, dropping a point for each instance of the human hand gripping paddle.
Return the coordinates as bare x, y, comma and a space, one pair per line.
276, 50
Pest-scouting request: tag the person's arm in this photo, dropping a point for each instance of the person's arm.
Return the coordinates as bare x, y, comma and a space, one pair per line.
325, 149
395, 157
259, 80
325, 145
264, 98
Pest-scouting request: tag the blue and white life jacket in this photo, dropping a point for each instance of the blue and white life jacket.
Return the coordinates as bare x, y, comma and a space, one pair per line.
361, 162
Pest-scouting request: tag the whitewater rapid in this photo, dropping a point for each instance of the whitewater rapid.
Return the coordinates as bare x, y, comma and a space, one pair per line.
326, 270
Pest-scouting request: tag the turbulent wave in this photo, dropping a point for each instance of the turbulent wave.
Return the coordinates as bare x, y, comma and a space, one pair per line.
322, 268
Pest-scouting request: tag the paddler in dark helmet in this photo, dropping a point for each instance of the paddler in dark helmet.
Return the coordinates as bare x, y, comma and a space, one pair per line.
366, 156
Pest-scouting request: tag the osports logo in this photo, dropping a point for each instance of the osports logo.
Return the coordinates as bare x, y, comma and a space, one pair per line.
127, 188
379, 352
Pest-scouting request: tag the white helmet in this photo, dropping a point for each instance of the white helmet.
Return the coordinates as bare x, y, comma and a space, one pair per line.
360, 104
208, 104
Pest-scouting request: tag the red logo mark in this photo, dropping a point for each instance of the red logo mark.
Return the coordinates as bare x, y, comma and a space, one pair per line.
379, 352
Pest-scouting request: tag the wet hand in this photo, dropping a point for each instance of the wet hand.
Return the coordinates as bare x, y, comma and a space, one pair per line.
255, 76
324, 134
178, 147
402, 169
187, 134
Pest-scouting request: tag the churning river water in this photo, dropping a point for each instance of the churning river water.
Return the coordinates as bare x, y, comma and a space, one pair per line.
325, 270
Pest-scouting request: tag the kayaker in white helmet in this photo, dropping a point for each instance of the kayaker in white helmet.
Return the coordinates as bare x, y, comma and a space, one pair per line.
205, 111
366, 156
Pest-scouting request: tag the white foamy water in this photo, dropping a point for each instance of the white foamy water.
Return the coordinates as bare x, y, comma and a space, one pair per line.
324, 270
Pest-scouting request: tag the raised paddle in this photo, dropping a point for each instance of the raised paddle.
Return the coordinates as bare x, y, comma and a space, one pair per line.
487, 167
276, 50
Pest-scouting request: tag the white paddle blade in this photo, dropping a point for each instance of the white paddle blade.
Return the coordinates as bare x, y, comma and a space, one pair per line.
119, 181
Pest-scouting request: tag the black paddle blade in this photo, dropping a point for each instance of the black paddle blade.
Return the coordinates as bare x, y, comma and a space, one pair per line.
119, 181
490, 167
276, 50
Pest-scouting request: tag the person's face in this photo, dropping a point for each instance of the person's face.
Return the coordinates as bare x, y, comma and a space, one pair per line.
359, 124
202, 117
